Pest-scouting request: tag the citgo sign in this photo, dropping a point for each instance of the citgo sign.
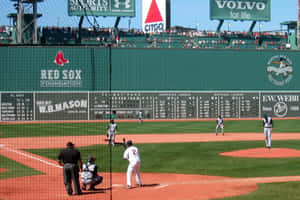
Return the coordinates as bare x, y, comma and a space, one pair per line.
154, 16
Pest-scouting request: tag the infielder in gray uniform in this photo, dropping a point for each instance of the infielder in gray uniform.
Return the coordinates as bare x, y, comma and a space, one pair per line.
112, 131
268, 126
220, 124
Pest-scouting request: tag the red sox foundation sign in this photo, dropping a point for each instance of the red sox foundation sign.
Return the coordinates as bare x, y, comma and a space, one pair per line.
61, 78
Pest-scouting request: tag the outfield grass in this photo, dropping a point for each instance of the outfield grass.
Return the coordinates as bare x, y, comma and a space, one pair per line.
59, 129
15, 169
197, 158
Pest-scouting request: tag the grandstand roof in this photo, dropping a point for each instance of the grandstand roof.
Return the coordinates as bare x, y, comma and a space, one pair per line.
291, 24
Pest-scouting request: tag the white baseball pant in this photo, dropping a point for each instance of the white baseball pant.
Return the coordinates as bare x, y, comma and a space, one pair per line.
134, 167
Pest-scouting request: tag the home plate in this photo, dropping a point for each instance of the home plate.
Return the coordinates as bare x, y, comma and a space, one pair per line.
118, 185
162, 186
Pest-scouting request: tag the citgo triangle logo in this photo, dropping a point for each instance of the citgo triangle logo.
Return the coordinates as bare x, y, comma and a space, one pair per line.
59, 59
154, 13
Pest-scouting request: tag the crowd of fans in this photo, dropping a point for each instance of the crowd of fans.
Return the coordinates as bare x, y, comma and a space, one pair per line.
5, 34
171, 39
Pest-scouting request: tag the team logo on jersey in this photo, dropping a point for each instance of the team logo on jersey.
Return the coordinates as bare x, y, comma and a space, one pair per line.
280, 109
60, 59
280, 70
119, 3
154, 21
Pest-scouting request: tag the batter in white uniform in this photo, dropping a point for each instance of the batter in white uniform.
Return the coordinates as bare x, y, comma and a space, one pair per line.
112, 131
220, 124
268, 126
132, 155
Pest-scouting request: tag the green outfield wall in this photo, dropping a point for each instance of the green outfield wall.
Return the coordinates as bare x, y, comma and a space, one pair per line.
87, 69
73, 83
42, 69
184, 69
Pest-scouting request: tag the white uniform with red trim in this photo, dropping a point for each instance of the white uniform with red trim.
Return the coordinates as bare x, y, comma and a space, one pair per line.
132, 155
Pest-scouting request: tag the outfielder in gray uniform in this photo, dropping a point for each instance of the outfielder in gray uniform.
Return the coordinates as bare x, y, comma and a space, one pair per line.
268, 126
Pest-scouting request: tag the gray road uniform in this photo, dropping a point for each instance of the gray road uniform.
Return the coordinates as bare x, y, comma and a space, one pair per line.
111, 131
89, 175
220, 124
268, 126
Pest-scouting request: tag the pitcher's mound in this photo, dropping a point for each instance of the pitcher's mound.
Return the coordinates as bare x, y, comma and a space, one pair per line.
264, 153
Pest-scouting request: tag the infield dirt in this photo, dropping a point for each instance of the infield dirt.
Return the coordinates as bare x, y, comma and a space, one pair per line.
157, 186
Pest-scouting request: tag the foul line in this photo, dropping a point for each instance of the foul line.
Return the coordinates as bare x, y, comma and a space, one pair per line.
254, 180
29, 156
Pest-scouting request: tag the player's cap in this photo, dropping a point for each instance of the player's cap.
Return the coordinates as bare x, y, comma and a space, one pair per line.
282, 59
91, 158
129, 143
70, 144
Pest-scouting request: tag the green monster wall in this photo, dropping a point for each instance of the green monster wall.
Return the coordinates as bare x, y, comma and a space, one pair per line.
184, 69
87, 69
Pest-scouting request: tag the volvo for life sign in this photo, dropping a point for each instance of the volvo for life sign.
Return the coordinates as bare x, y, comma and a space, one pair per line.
118, 8
252, 10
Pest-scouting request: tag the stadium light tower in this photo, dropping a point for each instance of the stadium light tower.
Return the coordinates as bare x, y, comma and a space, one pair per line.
21, 17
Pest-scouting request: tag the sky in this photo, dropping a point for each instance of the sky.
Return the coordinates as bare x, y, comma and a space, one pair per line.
187, 13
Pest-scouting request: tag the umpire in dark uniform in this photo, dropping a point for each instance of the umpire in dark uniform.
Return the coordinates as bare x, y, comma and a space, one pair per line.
69, 159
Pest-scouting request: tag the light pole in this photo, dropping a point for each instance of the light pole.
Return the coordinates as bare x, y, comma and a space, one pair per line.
298, 26
260, 27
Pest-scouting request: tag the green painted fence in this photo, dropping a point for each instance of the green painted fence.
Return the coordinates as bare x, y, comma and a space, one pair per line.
88, 69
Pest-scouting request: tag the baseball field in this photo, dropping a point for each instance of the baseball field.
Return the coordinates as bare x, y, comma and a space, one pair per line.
181, 160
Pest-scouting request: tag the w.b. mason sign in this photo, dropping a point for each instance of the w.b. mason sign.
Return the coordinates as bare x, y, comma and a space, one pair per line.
252, 10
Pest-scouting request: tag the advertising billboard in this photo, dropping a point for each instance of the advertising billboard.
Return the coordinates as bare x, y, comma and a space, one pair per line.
251, 10
154, 15
118, 8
